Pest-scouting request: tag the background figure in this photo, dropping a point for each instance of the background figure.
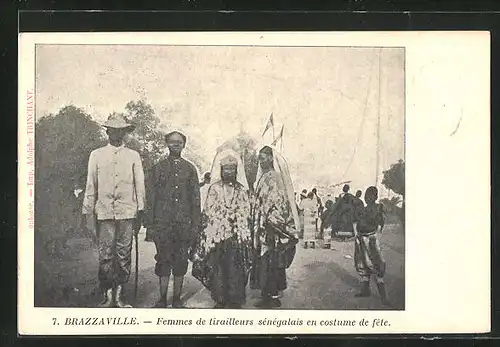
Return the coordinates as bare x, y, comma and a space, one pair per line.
368, 259
303, 195
318, 201
222, 259
310, 211
204, 185
319, 205
274, 214
357, 202
173, 196
345, 210
328, 223
115, 196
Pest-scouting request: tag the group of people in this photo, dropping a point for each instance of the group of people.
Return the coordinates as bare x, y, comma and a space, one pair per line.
325, 222
230, 234
349, 214
233, 235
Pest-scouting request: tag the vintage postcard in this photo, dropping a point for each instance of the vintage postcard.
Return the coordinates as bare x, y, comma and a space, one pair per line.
254, 183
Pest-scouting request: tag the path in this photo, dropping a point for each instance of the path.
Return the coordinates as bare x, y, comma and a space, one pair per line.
317, 279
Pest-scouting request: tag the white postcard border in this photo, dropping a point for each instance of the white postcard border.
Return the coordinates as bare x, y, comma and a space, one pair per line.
447, 251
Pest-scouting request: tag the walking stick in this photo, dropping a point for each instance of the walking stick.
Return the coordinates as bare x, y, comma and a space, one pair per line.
136, 263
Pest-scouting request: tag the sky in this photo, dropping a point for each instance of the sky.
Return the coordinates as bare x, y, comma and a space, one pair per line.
329, 99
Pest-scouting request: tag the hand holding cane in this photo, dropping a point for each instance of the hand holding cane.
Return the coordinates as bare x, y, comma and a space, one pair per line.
137, 228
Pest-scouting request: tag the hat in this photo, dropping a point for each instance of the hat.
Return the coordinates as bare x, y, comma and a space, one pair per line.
117, 121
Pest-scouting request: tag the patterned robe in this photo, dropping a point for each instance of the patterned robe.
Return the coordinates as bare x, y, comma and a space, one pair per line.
270, 207
222, 254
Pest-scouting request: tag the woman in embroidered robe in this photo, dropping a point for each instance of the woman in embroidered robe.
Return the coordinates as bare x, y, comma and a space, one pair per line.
222, 261
275, 222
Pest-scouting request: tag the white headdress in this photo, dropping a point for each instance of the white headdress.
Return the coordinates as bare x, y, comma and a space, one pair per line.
280, 165
230, 156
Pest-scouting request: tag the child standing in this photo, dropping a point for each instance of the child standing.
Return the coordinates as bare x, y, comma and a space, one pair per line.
368, 259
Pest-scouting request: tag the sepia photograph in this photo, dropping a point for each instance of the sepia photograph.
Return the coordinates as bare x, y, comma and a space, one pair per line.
232, 177
201, 183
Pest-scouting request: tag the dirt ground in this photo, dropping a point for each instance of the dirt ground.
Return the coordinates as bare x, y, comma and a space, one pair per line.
318, 278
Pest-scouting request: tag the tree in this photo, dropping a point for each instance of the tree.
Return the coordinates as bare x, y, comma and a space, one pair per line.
392, 211
63, 143
393, 201
394, 179
245, 146
148, 138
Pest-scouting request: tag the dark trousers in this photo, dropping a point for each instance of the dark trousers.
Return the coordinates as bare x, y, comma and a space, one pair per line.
173, 242
115, 246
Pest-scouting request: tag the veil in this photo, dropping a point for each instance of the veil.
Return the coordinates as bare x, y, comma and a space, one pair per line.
281, 166
215, 172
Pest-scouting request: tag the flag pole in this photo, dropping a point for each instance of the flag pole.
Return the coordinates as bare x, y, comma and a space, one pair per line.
377, 164
282, 136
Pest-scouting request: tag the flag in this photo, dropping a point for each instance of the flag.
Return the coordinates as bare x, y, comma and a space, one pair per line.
270, 123
338, 184
280, 136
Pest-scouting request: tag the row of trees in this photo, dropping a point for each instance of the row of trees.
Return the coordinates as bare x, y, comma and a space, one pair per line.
63, 145
394, 179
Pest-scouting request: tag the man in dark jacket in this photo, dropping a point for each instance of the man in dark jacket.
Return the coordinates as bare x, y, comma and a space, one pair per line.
346, 210
357, 202
173, 211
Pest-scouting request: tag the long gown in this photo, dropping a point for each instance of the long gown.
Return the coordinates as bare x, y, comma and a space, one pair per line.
271, 209
223, 250
310, 210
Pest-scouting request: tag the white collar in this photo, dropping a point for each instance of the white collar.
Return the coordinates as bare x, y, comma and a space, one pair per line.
110, 146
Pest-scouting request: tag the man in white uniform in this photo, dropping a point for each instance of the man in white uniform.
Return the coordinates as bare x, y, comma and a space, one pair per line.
113, 203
